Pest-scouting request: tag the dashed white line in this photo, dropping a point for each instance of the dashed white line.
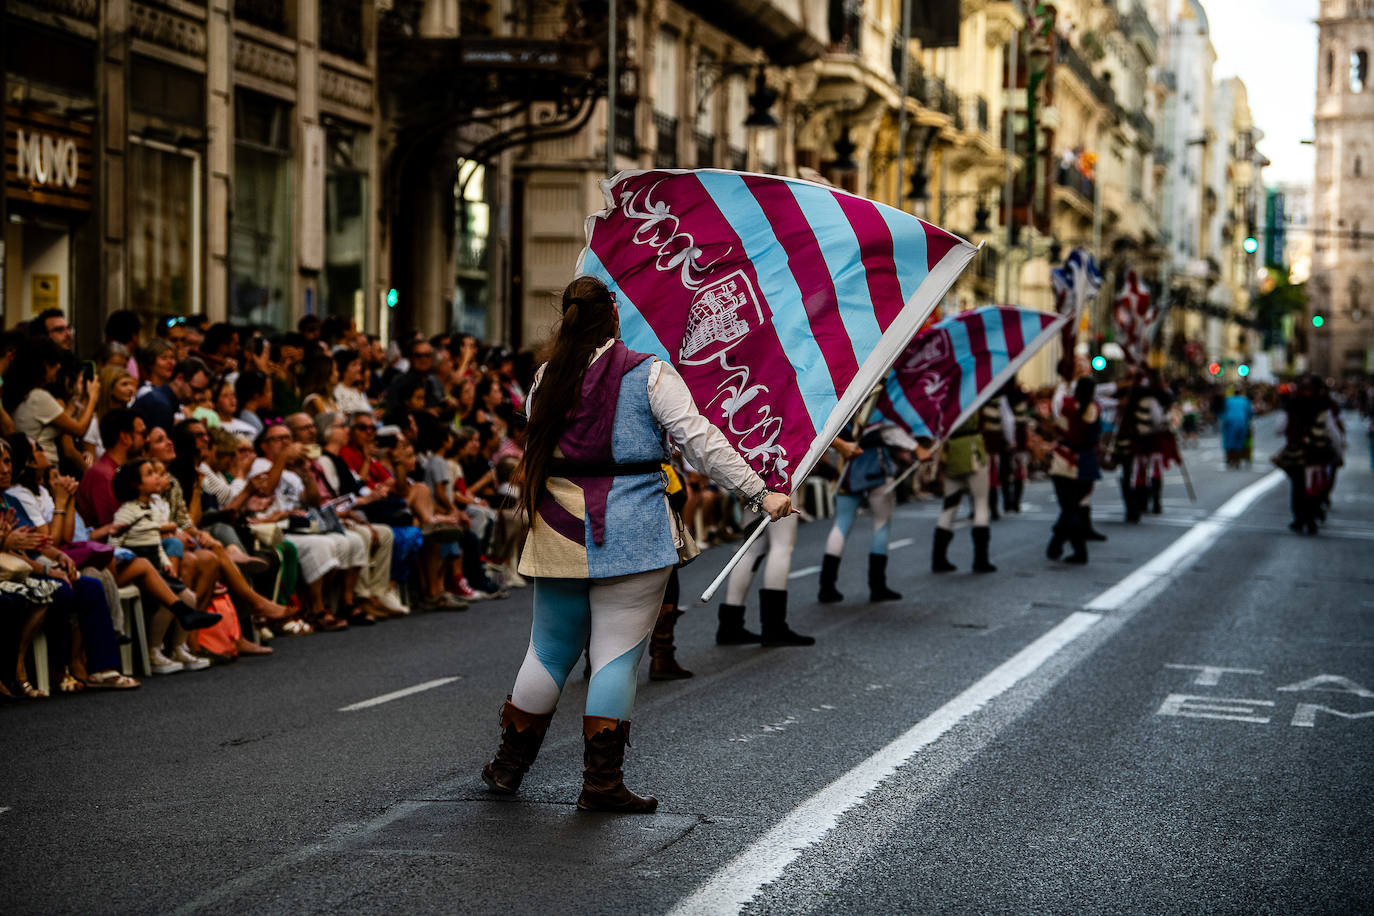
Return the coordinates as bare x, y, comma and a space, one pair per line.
763, 862
804, 571
900, 543
3, 810
398, 694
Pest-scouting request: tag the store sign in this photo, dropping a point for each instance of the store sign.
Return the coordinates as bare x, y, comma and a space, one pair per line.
47, 159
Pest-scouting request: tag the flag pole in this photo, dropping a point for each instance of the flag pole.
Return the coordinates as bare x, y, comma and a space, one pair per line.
734, 561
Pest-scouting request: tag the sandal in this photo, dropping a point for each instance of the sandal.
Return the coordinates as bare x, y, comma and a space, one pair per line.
112, 680
328, 623
30, 691
69, 684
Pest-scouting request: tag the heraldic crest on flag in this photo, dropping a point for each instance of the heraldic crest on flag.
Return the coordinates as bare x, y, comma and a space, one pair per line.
953, 367
780, 301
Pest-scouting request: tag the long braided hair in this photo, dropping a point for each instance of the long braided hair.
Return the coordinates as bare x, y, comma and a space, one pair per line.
589, 319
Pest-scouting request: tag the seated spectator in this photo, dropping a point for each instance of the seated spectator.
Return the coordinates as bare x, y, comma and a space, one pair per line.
318, 380
34, 398
350, 395
253, 390
122, 433
163, 405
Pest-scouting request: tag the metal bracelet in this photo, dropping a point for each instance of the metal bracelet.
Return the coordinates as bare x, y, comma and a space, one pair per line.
755, 502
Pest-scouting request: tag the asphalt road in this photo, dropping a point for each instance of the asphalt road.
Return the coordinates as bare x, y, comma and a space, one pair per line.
1193, 737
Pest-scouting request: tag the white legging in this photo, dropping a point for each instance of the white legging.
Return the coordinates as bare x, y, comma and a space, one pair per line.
612, 618
977, 485
782, 537
847, 506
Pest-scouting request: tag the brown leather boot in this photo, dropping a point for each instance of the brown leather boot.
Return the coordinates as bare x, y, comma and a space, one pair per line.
521, 734
603, 781
663, 664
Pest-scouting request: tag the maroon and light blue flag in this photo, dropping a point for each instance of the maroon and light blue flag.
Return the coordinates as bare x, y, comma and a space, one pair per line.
1075, 284
782, 302
950, 369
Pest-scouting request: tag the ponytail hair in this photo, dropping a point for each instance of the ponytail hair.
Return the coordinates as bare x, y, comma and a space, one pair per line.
589, 319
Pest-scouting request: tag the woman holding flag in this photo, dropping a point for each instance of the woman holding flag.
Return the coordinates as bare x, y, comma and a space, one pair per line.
602, 541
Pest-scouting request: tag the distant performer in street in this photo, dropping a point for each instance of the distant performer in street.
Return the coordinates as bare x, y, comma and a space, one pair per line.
776, 560
1073, 469
1236, 417
965, 463
1308, 453
1144, 445
602, 541
871, 466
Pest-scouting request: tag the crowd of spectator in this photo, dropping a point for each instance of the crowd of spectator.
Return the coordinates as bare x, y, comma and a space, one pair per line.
247, 483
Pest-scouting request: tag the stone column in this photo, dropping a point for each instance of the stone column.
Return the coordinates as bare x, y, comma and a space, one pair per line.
219, 155
111, 150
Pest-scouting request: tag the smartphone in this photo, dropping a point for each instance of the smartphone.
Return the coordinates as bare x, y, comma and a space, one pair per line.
88, 370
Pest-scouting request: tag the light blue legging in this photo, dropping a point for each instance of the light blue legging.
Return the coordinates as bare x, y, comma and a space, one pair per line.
617, 615
847, 506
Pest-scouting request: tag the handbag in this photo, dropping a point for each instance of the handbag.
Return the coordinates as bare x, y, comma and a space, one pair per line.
13, 568
88, 553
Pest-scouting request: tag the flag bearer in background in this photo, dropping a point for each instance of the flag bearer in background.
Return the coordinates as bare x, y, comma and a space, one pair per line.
998, 426
965, 461
663, 664
1017, 466
776, 560
870, 468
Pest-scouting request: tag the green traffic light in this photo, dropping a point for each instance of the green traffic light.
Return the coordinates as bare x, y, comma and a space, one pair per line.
1318, 321
1242, 370
1251, 245
392, 297
1099, 363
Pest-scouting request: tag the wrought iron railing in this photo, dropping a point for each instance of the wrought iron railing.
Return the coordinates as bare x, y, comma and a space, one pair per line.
626, 144
706, 150
1070, 177
1068, 55
738, 159
665, 128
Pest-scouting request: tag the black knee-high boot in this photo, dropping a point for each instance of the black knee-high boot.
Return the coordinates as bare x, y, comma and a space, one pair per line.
830, 572
982, 537
1089, 532
731, 631
521, 735
773, 615
939, 562
1156, 492
877, 579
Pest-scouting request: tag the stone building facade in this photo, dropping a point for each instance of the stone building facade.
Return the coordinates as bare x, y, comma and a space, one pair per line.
1341, 288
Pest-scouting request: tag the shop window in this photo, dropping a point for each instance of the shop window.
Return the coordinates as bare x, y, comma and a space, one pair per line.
164, 230
343, 284
48, 56
472, 286
260, 241
1359, 70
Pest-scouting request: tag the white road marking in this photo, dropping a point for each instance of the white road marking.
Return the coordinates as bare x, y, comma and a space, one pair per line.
3, 810
398, 694
1210, 675
804, 571
1185, 551
900, 543
1209, 707
763, 862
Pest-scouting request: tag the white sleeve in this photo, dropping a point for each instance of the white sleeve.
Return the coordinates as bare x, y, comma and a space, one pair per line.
896, 437
1004, 413
702, 444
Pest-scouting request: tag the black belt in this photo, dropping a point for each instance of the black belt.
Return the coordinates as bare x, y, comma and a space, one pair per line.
560, 467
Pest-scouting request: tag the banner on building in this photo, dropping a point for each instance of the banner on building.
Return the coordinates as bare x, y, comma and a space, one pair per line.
950, 370
781, 302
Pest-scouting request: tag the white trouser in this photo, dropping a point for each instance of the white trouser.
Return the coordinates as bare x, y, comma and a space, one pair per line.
782, 537
375, 578
977, 485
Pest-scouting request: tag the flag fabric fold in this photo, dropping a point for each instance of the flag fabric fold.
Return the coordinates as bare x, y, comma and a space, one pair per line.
1075, 284
780, 301
1135, 314
949, 370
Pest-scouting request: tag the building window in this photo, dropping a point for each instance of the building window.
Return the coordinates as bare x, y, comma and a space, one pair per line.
164, 230
472, 286
343, 284
269, 14
341, 28
1359, 70
667, 85
260, 256
736, 110
1359, 166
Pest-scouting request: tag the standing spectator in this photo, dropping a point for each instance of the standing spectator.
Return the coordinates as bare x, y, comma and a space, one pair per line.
52, 324
226, 404
29, 396
178, 335
123, 327
156, 362
218, 348
288, 351
253, 391
318, 381
350, 393
117, 389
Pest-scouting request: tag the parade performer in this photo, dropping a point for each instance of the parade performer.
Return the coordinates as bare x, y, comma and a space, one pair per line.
777, 565
871, 467
1308, 452
1144, 445
1017, 466
602, 542
998, 427
965, 461
663, 664
1073, 469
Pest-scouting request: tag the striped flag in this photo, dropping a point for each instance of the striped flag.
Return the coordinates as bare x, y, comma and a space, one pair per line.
950, 370
782, 302
1075, 284
1135, 313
